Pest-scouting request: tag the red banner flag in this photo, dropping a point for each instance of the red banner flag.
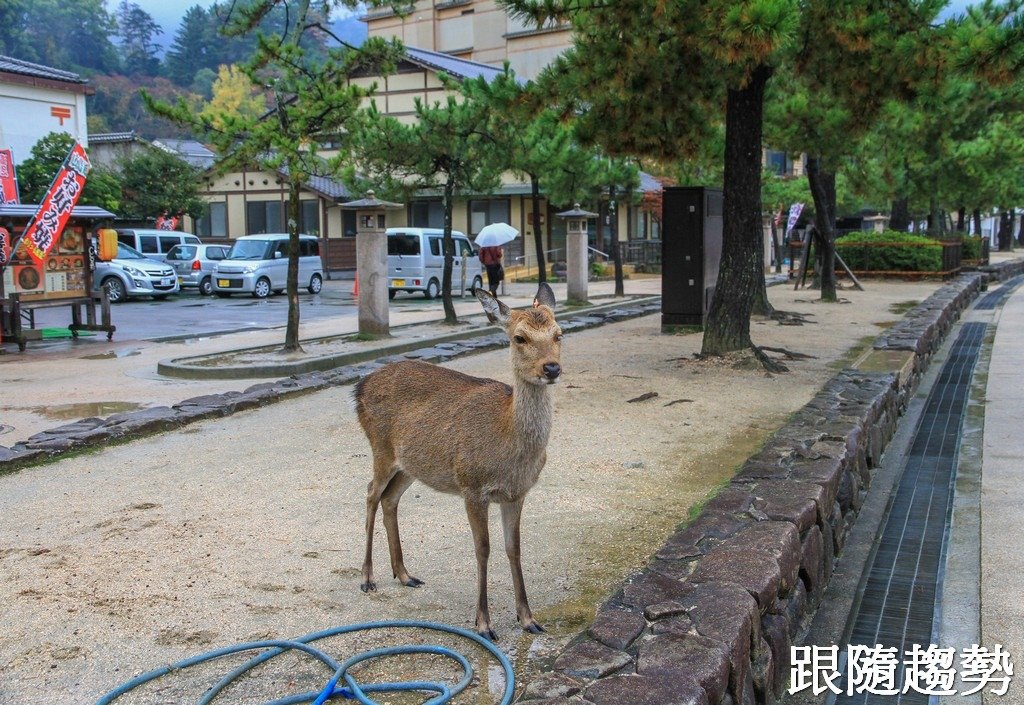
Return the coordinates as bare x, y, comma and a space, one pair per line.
8, 178
46, 225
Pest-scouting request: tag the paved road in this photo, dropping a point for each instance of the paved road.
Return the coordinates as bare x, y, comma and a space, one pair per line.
191, 315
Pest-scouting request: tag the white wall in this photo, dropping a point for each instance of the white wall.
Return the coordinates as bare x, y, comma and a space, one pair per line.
25, 117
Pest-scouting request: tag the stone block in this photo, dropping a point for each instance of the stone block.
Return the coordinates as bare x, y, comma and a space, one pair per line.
661, 610
617, 628
726, 613
552, 685
812, 564
755, 572
778, 539
775, 628
590, 660
801, 503
690, 656
656, 689
648, 588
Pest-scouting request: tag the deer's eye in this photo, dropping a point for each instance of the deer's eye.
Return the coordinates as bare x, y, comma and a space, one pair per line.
519, 339
558, 337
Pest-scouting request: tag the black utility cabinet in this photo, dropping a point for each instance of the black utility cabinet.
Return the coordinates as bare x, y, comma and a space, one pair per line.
691, 249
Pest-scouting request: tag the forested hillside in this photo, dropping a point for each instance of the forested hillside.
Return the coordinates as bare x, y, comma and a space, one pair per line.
119, 52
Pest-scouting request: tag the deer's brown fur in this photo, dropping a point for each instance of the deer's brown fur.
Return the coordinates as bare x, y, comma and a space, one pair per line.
478, 438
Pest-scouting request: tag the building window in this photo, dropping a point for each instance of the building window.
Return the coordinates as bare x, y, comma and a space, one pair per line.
214, 222
309, 217
264, 217
483, 213
348, 223
426, 214
778, 163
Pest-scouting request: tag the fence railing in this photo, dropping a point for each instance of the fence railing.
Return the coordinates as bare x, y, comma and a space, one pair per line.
647, 252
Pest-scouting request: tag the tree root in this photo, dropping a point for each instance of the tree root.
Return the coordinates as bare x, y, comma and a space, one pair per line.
769, 364
790, 318
789, 354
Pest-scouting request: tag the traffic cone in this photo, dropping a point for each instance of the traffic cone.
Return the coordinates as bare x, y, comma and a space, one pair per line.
355, 287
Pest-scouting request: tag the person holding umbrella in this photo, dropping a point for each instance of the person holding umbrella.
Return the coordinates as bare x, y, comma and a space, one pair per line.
489, 240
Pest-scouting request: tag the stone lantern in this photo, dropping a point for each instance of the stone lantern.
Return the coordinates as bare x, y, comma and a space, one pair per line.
576, 243
372, 262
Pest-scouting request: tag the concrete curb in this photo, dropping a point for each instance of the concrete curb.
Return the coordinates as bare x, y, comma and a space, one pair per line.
96, 432
185, 367
710, 620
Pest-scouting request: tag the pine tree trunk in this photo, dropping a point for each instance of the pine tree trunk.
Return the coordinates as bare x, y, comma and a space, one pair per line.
777, 245
823, 189
616, 253
448, 245
741, 273
976, 216
1020, 232
899, 218
961, 219
291, 336
538, 236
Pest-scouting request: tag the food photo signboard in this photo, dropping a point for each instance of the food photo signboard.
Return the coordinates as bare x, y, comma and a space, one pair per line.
60, 275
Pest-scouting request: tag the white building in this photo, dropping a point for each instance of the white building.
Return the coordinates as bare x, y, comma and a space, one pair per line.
36, 100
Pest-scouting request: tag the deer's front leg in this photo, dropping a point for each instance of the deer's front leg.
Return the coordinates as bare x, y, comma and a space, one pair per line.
477, 512
511, 514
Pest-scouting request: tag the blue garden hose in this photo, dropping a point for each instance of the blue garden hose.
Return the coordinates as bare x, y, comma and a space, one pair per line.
352, 690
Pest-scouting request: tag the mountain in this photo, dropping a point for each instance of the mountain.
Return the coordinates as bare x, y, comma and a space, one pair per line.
350, 30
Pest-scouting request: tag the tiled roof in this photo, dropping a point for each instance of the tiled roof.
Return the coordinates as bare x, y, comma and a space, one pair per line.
323, 185
27, 210
190, 151
459, 68
9, 64
112, 137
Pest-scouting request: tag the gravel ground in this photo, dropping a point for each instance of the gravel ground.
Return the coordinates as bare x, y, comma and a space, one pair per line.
119, 561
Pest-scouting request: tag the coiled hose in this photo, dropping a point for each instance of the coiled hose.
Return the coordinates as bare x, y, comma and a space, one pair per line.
352, 690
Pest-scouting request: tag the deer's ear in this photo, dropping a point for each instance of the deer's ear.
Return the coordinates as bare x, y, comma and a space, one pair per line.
496, 311
544, 297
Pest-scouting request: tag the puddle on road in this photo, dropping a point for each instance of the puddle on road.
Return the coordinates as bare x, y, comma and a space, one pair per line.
65, 412
112, 354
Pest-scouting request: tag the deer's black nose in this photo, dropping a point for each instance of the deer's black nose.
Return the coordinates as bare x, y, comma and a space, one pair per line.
552, 370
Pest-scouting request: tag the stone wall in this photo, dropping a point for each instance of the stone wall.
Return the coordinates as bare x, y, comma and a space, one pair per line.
711, 618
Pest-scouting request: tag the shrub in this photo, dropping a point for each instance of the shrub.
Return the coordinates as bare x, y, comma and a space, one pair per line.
597, 269
971, 247
890, 251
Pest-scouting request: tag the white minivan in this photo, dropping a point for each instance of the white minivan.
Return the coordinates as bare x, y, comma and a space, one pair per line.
258, 265
416, 262
155, 244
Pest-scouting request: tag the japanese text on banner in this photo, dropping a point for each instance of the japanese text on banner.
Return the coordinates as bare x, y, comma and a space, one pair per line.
45, 228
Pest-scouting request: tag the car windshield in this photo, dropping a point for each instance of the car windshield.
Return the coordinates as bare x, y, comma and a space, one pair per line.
125, 252
251, 249
183, 252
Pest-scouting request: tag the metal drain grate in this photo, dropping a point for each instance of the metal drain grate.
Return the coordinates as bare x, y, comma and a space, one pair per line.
899, 601
989, 301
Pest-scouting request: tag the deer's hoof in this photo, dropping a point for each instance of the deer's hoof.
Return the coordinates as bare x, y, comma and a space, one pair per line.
368, 586
413, 582
534, 628
488, 634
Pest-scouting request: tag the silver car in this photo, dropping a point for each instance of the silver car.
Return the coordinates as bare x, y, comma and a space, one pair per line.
194, 265
258, 265
132, 274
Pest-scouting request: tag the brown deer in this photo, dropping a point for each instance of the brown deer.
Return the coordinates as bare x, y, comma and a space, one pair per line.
474, 437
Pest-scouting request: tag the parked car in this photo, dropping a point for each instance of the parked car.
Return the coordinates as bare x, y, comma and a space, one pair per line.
154, 244
132, 274
258, 265
194, 265
416, 261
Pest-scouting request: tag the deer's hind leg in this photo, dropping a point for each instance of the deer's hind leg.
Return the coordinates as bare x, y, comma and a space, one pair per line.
389, 502
384, 469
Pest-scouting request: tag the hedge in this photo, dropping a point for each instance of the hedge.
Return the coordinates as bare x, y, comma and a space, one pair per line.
890, 251
971, 248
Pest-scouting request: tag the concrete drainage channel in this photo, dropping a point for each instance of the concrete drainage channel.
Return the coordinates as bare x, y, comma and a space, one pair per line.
96, 432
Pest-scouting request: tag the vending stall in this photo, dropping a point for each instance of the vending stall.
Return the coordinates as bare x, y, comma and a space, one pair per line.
62, 276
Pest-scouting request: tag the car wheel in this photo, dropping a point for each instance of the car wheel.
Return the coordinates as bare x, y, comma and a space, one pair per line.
316, 283
433, 289
262, 288
116, 291
223, 294
205, 287
478, 283
391, 293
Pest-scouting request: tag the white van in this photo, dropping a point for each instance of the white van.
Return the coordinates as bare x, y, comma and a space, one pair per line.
155, 244
258, 265
416, 262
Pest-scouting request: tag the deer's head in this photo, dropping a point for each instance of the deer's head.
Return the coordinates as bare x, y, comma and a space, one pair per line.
536, 339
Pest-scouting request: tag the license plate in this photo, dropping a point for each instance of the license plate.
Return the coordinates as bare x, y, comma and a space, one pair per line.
181, 280
169, 281
397, 282
223, 283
